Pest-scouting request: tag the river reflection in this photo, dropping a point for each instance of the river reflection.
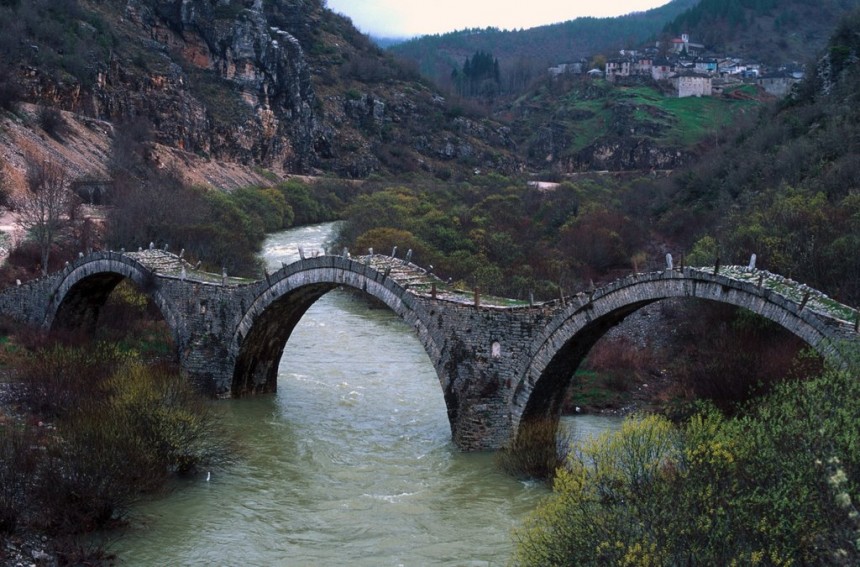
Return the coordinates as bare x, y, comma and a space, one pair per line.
351, 461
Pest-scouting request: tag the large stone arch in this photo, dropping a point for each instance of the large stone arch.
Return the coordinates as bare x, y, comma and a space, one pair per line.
559, 349
269, 320
86, 285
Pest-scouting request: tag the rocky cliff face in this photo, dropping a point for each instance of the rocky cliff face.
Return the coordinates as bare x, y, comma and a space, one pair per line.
235, 88
283, 86
625, 154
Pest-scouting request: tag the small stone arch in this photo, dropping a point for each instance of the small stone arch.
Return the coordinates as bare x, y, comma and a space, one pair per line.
266, 326
562, 346
86, 285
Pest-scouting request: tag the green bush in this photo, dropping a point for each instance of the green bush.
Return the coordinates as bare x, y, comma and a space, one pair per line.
773, 486
177, 428
600, 514
267, 206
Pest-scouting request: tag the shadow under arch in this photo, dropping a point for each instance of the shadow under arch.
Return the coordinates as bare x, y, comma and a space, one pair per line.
560, 349
269, 321
83, 292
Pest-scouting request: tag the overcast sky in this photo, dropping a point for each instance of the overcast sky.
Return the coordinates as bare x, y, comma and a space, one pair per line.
406, 18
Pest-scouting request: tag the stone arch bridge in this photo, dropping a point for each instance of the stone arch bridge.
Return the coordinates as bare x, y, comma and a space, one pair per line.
499, 362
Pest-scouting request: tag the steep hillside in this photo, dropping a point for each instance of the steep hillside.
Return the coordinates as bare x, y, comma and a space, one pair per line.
274, 87
539, 47
772, 31
575, 124
782, 182
787, 185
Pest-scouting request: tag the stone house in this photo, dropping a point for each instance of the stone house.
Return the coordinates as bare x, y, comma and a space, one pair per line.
566, 68
617, 68
643, 65
777, 84
692, 84
662, 69
706, 66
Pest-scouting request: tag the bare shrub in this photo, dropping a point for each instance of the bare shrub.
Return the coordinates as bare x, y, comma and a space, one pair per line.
52, 122
16, 468
90, 478
620, 361
47, 206
59, 378
539, 449
120, 428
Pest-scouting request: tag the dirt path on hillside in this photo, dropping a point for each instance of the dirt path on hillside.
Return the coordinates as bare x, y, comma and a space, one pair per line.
11, 232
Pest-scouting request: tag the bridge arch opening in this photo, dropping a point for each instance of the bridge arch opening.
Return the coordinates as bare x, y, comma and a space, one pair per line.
256, 370
115, 303
542, 394
347, 345
269, 322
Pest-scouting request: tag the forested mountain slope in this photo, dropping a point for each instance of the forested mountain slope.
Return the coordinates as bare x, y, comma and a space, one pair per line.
533, 50
786, 185
771, 31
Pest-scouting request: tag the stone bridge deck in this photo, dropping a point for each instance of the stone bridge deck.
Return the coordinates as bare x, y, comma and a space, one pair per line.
164, 263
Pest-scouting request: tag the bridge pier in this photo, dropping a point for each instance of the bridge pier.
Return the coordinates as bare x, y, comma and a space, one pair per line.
482, 353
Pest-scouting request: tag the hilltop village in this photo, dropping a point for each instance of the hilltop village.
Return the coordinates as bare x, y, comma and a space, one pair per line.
688, 69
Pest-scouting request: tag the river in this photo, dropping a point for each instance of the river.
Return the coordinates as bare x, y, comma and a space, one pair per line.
350, 462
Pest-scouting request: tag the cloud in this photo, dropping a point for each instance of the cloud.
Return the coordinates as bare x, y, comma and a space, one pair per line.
417, 17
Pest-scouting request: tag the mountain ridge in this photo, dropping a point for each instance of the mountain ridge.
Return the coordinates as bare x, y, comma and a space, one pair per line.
546, 45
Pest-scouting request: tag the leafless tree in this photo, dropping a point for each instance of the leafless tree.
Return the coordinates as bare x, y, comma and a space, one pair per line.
46, 206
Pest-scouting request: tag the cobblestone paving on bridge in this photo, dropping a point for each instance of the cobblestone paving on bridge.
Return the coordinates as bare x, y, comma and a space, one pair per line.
814, 300
420, 282
169, 264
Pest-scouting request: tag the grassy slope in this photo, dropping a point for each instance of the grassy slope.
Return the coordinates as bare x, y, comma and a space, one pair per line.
670, 121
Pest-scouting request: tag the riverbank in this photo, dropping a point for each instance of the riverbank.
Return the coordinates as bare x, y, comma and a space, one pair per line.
629, 370
26, 547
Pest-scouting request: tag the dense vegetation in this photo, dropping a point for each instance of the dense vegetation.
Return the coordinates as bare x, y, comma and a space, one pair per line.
498, 234
774, 486
773, 31
89, 428
784, 186
58, 37
222, 230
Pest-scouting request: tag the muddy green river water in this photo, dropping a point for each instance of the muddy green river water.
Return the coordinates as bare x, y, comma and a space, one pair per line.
350, 463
